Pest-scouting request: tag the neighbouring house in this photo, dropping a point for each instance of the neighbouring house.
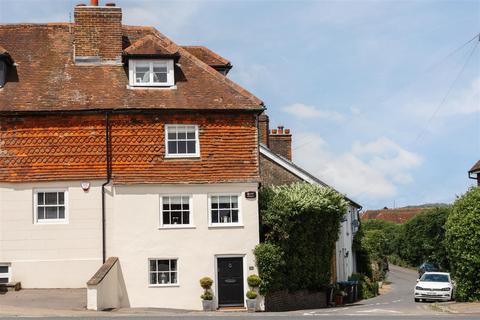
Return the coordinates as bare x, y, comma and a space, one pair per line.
397, 215
127, 161
277, 168
474, 172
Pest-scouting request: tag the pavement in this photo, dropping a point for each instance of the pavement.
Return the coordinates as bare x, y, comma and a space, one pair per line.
459, 307
395, 302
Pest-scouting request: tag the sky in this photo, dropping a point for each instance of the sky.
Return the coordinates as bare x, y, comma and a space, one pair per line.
382, 97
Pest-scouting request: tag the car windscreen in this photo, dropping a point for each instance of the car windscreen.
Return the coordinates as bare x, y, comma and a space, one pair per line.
434, 278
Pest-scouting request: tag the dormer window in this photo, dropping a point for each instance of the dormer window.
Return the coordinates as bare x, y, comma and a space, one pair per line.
3, 73
151, 73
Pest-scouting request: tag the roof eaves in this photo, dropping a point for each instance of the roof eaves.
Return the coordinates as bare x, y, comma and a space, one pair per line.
298, 171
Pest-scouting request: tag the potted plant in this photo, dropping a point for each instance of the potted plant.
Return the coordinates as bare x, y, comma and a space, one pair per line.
254, 282
339, 295
207, 296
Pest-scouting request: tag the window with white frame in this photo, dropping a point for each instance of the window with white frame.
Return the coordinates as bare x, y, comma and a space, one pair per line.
182, 141
151, 73
5, 273
163, 272
224, 209
50, 206
176, 211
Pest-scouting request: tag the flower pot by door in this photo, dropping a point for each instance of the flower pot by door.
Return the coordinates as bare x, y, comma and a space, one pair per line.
207, 305
251, 305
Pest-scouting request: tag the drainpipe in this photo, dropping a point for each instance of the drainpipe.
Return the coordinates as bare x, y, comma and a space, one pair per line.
109, 176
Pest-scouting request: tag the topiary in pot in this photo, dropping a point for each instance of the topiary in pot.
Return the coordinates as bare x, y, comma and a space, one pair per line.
207, 296
254, 282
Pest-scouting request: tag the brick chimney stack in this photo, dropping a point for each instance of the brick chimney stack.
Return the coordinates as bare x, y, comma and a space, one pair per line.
98, 34
280, 142
263, 129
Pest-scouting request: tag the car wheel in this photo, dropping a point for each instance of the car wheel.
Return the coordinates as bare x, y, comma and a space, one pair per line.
417, 300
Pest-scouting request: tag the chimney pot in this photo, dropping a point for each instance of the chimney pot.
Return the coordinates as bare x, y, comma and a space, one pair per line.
280, 129
94, 3
274, 131
287, 131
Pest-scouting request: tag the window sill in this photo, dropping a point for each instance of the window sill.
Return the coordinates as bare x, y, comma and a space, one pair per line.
151, 87
173, 227
52, 222
225, 225
183, 156
163, 285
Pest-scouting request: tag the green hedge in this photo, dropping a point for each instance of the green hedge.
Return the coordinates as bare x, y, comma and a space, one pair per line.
463, 245
300, 224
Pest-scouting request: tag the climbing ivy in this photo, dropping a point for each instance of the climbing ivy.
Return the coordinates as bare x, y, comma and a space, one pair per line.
300, 224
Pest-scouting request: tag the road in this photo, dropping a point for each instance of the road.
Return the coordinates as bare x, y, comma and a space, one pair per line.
395, 304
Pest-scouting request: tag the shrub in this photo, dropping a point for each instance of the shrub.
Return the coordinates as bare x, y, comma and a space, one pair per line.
254, 281
206, 283
422, 238
463, 243
292, 216
390, 229
207, 295
251, 294
366, 288
270, 263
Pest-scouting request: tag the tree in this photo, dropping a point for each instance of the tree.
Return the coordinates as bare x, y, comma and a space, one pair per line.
463, 244
421, 239
300, 223
390, 229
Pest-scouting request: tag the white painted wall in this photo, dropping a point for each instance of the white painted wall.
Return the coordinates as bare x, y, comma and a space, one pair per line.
134, 237
345, 257
51, 255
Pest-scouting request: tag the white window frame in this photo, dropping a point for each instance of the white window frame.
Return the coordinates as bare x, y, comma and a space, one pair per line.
225, 224
166, 62
177, 226
177, 284
183, 155
7, 275
50, 221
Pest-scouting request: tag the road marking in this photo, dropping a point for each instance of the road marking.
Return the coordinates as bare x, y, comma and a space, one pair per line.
378, 311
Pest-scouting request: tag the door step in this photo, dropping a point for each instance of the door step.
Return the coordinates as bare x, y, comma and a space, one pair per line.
232, 309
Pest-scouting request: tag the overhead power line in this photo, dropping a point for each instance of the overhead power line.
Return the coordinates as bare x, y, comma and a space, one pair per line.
417, 79
447, 94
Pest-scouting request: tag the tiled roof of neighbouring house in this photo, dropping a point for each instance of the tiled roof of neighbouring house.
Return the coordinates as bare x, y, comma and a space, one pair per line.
476, 167
45, 77
400, 215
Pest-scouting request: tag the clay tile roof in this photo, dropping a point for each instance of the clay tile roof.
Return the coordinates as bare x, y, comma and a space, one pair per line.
43, 54
207, 56
150, 45
400, 215
475, 168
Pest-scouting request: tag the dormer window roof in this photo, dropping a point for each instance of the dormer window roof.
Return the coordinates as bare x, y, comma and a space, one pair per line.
150, 63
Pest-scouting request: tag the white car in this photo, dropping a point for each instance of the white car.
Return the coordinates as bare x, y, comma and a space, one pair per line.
434, 286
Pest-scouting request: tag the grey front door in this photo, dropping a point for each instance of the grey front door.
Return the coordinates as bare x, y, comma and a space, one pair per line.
230, 281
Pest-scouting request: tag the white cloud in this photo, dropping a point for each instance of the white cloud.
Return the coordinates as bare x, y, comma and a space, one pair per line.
304, 111
171, 18
371, 170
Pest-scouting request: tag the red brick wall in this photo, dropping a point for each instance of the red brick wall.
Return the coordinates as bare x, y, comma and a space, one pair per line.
67, 147
98, 32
